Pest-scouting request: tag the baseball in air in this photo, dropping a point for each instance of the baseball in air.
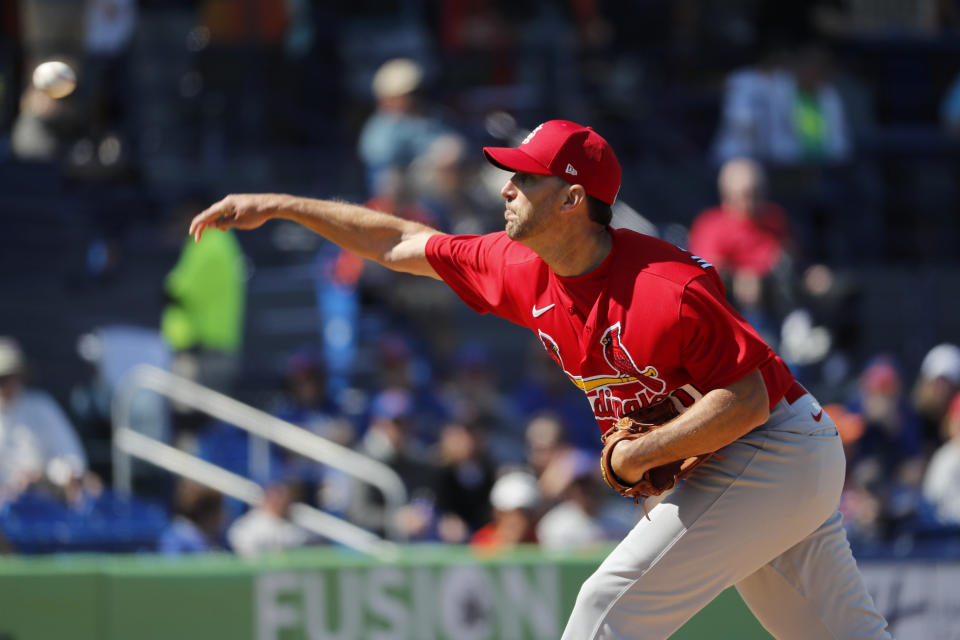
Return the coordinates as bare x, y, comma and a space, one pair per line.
55, 78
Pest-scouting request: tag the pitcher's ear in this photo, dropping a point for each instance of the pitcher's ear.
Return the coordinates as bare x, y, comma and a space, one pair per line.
574, 197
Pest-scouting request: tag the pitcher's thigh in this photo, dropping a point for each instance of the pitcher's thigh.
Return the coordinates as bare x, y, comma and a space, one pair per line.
814, 590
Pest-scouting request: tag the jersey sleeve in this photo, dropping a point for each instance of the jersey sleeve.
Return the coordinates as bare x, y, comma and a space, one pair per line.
473, 266
717, 346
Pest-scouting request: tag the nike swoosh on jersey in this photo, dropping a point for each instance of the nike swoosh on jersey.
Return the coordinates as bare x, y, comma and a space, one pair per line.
539, 312
816, 416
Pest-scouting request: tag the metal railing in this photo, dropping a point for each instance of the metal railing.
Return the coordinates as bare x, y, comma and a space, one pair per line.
129, 443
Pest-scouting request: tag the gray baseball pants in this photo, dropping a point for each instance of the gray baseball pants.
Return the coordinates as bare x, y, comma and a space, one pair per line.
762, 518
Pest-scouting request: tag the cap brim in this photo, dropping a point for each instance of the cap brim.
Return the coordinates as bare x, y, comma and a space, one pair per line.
510, 159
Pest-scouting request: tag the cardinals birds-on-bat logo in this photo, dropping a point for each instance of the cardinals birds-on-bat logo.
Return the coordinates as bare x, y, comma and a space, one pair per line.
627, 373
619, 358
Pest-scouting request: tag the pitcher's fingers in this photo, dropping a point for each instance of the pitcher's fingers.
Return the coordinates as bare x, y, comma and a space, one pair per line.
204, 217
210, 215
198, 227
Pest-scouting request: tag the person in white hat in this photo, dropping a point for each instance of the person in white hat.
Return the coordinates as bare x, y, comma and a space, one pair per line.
937, 383
401, 128
515, 498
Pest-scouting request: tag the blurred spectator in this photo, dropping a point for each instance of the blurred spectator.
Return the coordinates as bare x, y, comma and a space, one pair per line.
306, 401
398, 365
393, 193
464, 481
892, 431
197, 525
546, 445
887, 459
42, 127
267, 527
941, 482
937, 383
38, 445
785, 111
748, 240
203, 319
399, 362
442, 179
516, 500
746, 232
110, 25
860, 508
817, 115
113, 351
580, 519
391, 439
472, 389
821, 335
850, 427
259, 21
401, 128
746, 117
544, 389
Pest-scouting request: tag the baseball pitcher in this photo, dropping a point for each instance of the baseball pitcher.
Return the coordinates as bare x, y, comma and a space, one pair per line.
687, 396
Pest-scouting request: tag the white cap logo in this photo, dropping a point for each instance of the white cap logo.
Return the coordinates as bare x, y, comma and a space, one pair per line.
531, 134
570, 169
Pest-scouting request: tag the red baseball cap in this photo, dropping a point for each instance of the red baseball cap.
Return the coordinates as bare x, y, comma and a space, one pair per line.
567, 150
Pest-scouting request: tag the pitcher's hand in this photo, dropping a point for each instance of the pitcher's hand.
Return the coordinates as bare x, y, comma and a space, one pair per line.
236, 211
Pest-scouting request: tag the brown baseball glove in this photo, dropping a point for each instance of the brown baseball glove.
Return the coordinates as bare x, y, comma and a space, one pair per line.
658, 479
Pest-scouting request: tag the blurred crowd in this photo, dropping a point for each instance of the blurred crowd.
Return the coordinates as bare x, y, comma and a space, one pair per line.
764, 141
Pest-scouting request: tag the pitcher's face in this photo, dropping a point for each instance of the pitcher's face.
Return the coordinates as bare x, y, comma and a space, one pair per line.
532, 203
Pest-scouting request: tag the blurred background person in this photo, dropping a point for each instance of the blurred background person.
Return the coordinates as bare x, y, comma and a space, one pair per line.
543, 389
786, 110
402, 127
307, 402
937, 383
43, 127
464, 479
198, 521
888, 461
941, 482
548, 450
516, 502
267, 526
202, 321
748, 239
584, 516
38, 445
109, 29
393, 438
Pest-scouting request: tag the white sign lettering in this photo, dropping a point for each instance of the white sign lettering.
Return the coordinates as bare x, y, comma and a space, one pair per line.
459, 602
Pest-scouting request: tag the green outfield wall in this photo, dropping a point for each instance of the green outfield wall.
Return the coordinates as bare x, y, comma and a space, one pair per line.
430, 593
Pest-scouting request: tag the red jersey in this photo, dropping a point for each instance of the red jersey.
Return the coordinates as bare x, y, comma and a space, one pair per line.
650, 322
